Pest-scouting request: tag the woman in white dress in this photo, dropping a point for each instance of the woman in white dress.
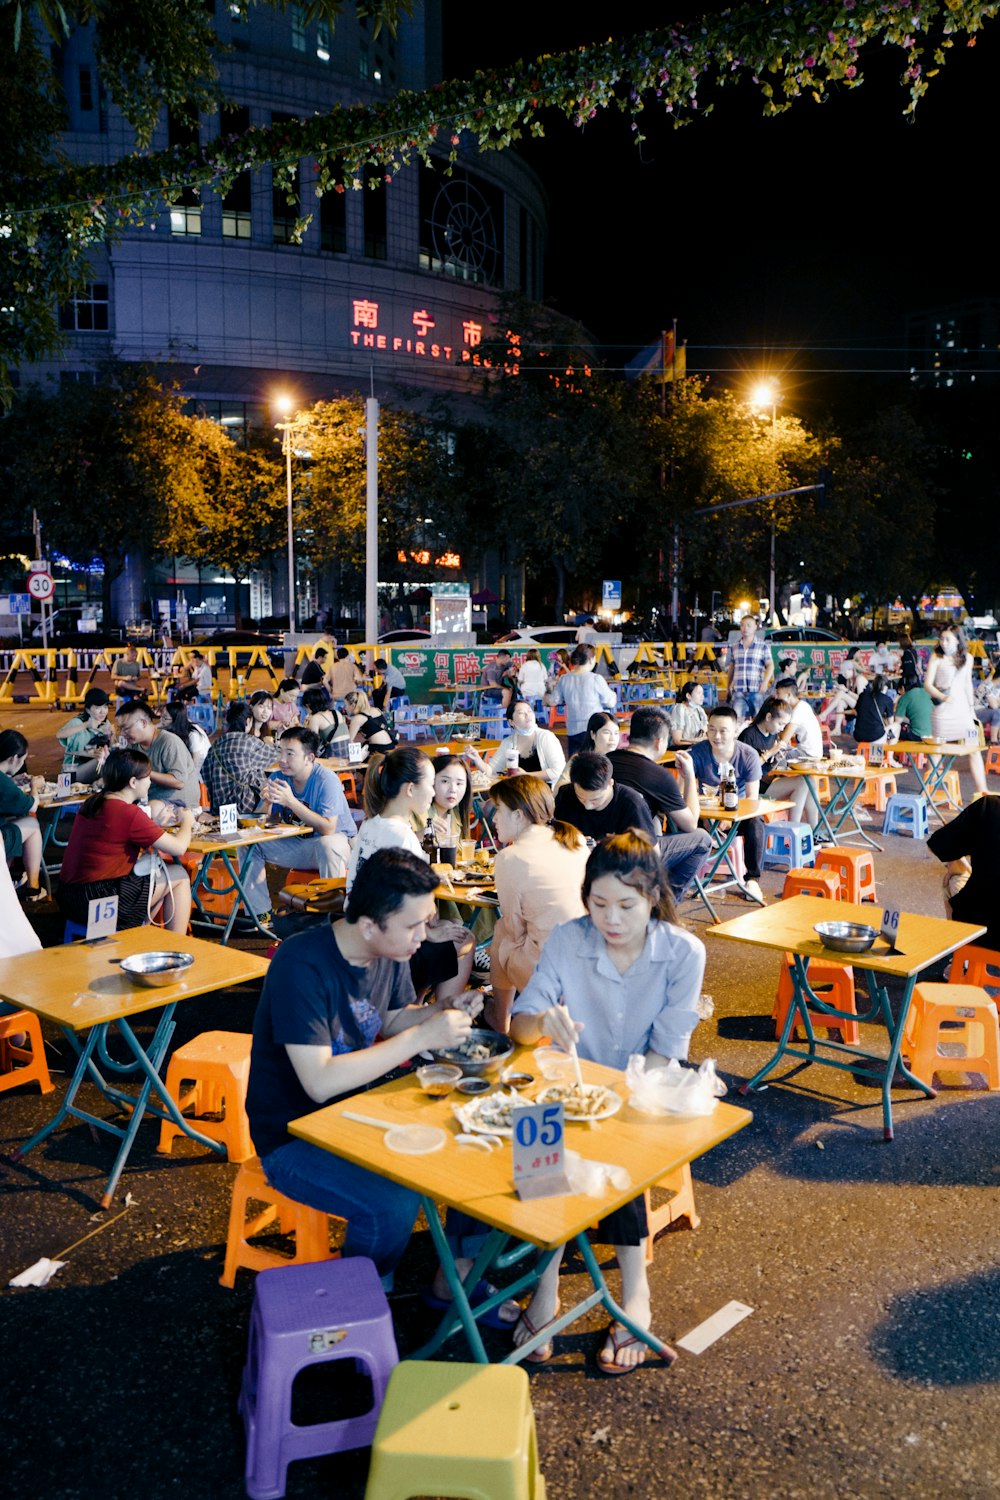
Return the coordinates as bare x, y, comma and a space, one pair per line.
949, 682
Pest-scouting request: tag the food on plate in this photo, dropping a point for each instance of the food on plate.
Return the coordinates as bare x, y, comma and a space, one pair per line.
495, 1112
589, 1102
475, 1051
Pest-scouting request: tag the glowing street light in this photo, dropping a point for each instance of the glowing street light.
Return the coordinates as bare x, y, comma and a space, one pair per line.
284, 406
765, 394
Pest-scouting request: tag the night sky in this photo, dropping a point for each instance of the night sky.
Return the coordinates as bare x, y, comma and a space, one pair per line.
819, 229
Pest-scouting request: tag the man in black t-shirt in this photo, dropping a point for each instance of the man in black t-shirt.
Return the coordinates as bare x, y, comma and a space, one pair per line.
685, 846
594, 804
329, 993
970, 845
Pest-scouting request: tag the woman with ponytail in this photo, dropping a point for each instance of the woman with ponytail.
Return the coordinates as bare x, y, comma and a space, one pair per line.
107, 838
538, 880
399, 790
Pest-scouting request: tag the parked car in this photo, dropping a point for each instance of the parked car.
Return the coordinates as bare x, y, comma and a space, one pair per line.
405, 637
539, 635
793, 633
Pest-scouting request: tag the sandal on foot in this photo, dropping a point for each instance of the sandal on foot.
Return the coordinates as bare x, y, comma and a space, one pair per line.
618, 1338
544, 1352
32, 895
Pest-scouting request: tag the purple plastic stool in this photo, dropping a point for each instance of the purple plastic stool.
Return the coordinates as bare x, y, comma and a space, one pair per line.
306, 1315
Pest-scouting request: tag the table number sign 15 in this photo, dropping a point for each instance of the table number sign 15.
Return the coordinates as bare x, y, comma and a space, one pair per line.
102, 917
539, 1151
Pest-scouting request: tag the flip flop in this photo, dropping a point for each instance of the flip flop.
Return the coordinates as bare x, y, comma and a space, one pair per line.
479, 1293
619, 1339
544, 1352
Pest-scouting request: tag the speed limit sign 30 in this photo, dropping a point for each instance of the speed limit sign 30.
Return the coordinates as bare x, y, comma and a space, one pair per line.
40, 586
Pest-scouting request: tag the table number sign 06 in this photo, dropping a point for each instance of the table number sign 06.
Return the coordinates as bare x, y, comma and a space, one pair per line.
539, 1150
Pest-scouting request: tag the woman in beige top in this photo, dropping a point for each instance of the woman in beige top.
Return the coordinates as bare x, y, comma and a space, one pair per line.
539, 876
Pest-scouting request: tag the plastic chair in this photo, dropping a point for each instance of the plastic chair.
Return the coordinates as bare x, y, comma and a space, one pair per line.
906, 812
993, 759
304, 1316
971, 1018
823, 883
310, 1226
680, 1206
456, 1429
950, 790
833, 983
23, 1061
877, 793
856, 869
975, 965
788, 846
218, 1064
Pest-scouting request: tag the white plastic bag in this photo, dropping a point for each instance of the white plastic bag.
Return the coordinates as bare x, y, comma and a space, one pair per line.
595, 1178
673, 1090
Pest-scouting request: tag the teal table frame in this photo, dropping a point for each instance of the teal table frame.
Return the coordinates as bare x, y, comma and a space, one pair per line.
938, 766
841, 806
146, 1062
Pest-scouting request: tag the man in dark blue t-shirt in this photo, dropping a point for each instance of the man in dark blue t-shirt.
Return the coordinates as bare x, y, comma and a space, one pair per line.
723, 748
329, 993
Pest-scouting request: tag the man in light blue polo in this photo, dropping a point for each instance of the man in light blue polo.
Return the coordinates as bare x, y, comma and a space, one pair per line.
302, 791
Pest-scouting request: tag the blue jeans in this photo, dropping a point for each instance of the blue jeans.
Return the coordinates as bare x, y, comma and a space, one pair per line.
683, 855
380, 1214
747, 704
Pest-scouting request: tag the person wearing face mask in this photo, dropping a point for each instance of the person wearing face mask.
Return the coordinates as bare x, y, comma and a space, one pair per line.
86, 737
528, 750
949, 682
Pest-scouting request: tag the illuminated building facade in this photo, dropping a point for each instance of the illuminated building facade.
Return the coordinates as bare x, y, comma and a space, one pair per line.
390, 290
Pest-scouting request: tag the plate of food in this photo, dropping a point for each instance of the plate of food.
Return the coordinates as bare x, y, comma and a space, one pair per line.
592, 1101
492, 1114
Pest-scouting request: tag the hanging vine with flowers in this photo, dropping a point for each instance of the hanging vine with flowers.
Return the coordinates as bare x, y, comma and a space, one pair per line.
800, 49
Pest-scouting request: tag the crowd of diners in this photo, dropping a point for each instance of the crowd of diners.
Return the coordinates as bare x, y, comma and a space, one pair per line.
596, 840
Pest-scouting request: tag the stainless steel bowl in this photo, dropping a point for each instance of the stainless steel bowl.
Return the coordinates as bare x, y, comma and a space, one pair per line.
501, 1049
154, 969
846, 937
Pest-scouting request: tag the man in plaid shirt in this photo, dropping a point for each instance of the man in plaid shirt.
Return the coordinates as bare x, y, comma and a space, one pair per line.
750, 669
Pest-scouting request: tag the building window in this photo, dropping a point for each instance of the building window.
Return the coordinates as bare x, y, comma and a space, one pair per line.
87, 313
461, 226
77, 377
333, 223
298, 29
364, 66
373, 201
86, 91
323, 43
185, 211
285, 215
237, 203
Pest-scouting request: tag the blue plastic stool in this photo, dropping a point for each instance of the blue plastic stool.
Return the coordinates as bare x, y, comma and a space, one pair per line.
788, 846
301, 1316
74, 930
906, 812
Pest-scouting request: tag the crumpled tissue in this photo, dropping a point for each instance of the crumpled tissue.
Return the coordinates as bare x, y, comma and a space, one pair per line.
40, 1274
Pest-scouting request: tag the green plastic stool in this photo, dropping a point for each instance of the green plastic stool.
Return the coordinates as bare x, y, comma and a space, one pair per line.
456, 1430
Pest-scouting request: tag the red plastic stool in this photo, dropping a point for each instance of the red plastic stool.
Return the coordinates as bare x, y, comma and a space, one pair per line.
310, 1226
824, 883
218, 1064
30, 1052
833, 983
971, 1017
856, 869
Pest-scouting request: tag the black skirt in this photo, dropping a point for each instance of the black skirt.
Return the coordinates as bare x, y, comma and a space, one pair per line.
133, 899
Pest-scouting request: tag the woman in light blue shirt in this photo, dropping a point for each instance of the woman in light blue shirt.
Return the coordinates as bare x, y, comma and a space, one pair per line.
633, 979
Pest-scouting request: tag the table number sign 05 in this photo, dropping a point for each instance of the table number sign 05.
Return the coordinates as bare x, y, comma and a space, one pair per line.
539, 1150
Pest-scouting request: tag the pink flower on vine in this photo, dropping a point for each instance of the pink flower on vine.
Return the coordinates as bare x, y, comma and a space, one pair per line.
851, 72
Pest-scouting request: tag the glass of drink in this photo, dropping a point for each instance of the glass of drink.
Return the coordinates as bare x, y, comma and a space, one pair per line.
467, 851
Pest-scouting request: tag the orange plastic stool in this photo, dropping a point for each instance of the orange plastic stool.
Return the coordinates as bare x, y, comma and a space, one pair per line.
833, 983
993, 759
877, 793
975, 965
972, 1018
824, 883
349, 782
218, 1064
217, 878
557, 717
309, 1225
31, 1053
855, 867
680, 1206
950, 791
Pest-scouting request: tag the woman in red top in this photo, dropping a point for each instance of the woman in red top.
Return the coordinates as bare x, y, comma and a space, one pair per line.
108, 836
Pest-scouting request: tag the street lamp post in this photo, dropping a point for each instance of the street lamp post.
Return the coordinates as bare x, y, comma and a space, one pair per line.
766, 395
283, 406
